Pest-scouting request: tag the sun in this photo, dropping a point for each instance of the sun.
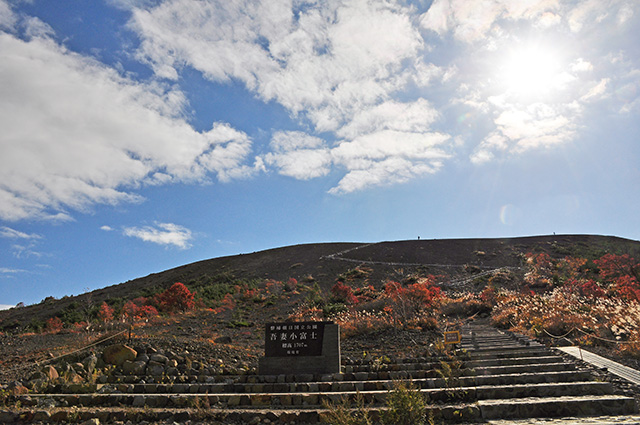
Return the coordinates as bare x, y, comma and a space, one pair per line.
532, 70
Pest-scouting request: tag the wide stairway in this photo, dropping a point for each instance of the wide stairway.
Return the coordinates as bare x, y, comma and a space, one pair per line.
494, 377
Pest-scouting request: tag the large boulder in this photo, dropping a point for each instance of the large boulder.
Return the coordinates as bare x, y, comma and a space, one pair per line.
118, 354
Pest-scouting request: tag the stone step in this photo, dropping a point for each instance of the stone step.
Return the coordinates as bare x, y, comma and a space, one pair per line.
589, 405
531, 378
486, 382
511, 361
481, 411
510, 369
501, 353
138, 415
466, 364
306, 399
598, 420
367, 383
543, 390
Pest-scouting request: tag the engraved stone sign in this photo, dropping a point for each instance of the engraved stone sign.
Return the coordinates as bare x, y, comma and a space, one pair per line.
301, 348
294, 339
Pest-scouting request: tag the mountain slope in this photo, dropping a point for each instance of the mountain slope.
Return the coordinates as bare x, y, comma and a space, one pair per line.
324, 263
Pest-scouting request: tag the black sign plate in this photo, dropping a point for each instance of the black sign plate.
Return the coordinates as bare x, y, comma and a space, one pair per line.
294, 339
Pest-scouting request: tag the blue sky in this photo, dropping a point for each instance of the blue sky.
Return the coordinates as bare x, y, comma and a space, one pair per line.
138, 136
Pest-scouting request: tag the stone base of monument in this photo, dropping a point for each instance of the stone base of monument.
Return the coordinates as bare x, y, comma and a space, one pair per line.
294, 363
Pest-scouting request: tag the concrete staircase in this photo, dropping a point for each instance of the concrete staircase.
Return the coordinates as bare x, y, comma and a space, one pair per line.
495, 377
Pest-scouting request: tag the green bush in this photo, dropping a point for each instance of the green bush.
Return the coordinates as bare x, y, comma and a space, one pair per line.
405, 405
333, 309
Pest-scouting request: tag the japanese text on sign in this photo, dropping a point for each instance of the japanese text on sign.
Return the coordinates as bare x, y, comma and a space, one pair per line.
294, 339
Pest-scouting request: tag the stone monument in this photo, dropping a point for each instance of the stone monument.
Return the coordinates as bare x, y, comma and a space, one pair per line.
297, 348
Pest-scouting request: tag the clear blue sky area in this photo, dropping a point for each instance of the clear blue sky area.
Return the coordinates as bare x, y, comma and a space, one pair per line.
138, 136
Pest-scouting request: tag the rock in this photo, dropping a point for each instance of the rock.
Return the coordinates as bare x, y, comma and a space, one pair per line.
134, 368
50, 373
223, 340
42, 416
138, 401
7, 417
155, 368
26, 400
159, 358
16, 388
36, 376
60, 416
92, 421
118, 354
90, 363
74, 378
78, 368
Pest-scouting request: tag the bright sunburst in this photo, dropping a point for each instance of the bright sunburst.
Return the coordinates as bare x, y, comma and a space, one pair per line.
532, 70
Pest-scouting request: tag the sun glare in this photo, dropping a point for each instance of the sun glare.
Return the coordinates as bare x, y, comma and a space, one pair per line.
532, 71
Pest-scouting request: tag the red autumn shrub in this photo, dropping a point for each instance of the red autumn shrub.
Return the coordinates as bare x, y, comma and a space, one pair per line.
54, 325
291, 285
408, 301
146, 312
425, 292
227, 303
176, 298
80, 327
105, 314
133, 311
627, 287
612, 266
586, 288
344, 293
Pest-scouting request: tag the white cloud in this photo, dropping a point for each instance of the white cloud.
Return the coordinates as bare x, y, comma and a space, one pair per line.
335, 63
388, 157
162, 234
357, 69
299, 155
7, 232
7, 17
77, 133
417, 116
106, 228
518, 130
388, 171
581, 65
473, 21
597, 90
9, 271
22, 250
326, 60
